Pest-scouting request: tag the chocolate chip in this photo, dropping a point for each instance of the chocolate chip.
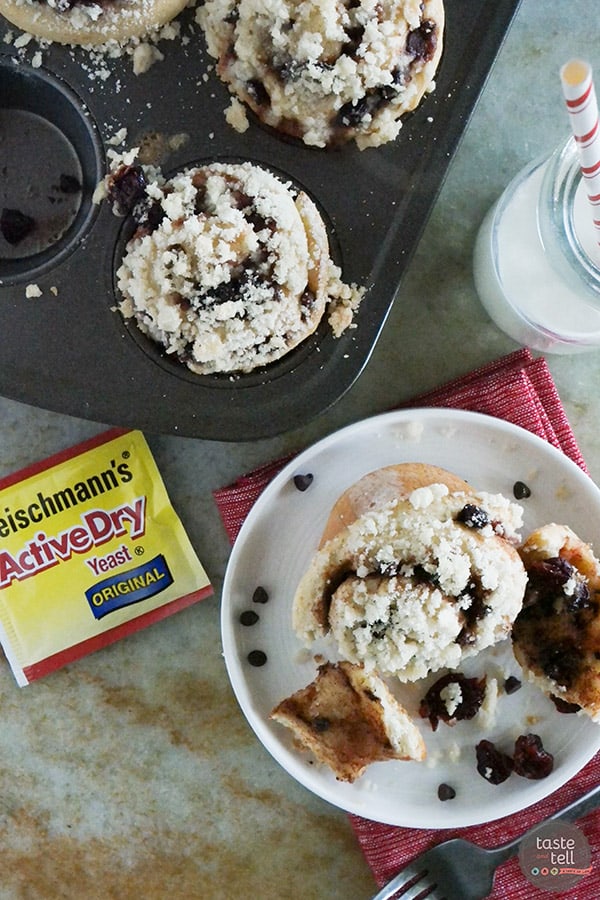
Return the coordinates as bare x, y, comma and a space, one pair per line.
258, 92
351, 114
249, 617
445, 792
257, 658
561, 662
511, 685
354, 38
260, 595
303, 482
320, 723
521, 491
289, 69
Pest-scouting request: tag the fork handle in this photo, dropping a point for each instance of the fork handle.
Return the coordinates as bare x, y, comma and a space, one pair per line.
570, 813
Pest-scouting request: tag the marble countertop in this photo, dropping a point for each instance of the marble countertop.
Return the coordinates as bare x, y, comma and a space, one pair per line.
132, 773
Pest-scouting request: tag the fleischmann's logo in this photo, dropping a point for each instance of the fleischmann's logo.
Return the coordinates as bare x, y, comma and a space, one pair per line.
45, 505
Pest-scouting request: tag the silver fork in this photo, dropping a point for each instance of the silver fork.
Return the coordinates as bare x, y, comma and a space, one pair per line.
459, 870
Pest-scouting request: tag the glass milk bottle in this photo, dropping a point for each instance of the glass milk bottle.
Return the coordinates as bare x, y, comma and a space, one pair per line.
536, 260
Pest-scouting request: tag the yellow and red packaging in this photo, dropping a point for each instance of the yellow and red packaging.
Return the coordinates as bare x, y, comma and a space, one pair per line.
91, 550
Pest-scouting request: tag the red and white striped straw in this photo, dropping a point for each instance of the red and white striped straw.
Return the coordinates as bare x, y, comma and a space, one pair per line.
582, 106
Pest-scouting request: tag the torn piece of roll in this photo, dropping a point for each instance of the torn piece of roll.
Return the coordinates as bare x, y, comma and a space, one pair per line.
348, 719
556, 636
416, 583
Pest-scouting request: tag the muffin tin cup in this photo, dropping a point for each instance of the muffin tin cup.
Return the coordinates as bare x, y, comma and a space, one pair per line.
257, 376
53, 158
72, 352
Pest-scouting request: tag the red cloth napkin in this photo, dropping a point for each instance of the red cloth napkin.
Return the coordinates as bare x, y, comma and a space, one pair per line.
519, 389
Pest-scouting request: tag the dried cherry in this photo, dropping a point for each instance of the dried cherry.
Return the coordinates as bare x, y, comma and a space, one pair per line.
15, 225
127, 187
422, 41
473, 516
561, 661
530, 758
546, 579
433, 705
493, 764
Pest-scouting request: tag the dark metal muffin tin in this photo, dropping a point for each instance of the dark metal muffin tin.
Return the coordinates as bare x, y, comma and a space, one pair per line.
69, 351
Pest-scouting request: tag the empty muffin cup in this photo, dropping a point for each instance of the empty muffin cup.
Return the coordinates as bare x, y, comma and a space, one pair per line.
52, 159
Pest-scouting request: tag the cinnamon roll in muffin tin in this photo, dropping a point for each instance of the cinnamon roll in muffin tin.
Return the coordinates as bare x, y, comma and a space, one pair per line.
64, 110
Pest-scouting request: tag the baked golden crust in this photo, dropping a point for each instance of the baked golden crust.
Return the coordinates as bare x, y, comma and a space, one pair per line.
348, 719
556, 636
395, 482
116, 20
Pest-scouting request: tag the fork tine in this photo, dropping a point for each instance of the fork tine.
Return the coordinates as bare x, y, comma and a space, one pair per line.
415, 890
413, 883
412, 892
419, 892
436, 893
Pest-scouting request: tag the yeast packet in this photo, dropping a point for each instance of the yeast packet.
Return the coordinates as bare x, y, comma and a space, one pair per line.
91, 550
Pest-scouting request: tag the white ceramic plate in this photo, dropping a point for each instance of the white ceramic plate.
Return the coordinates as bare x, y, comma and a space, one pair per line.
273, 550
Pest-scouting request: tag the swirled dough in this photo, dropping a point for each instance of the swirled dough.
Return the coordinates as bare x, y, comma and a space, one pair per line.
66, 22
416, 584
327, 71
